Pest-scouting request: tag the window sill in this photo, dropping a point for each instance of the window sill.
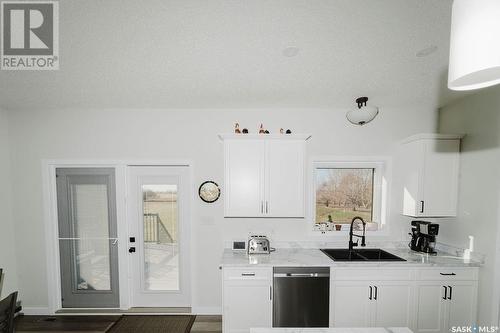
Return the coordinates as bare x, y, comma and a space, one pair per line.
343, 234
332, 227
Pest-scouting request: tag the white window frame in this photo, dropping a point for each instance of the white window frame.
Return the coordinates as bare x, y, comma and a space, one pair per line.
381, 185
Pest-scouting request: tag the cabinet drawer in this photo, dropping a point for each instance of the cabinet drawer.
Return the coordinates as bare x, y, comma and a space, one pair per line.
361, 274
447, 273
247, 273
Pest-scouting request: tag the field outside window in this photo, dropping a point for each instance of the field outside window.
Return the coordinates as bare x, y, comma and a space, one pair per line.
344, 190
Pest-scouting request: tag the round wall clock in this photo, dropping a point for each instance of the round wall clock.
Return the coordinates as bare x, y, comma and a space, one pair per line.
209, 191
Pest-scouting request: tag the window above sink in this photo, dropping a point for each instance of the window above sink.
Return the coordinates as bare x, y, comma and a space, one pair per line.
346, 188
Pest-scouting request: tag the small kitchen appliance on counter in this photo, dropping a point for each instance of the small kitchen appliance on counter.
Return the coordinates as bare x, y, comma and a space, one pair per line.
258, 245
423, 236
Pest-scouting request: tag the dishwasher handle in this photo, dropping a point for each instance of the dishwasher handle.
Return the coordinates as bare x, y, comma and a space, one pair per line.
302, 275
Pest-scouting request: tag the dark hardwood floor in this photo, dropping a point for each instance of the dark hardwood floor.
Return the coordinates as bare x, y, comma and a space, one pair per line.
97, 324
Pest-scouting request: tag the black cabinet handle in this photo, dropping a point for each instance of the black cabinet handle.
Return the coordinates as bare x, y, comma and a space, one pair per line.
449, 297
131, 249
371, 291
445, 292
247, 274
376, 293
421, 206
448, 274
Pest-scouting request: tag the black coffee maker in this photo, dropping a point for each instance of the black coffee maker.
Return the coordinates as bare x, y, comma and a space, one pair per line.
423, 236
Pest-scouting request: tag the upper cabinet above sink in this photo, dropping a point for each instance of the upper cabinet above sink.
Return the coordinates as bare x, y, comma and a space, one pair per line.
430, 164
264, 175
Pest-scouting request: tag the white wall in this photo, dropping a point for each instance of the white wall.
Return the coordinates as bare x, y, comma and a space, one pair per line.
7, 237
186, 134
478, 116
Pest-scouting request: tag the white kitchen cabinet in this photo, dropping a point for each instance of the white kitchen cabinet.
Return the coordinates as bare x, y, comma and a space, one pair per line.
247, 299
350, 305
264, 175
371, 304
430, 163
244, 177
444, 304
393, 302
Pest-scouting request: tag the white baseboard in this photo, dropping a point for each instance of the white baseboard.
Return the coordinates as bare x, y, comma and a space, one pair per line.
36, 311
206, 310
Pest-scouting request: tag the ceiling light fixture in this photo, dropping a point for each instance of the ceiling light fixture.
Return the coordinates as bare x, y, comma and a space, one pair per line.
474, 46
363, 114
290, 51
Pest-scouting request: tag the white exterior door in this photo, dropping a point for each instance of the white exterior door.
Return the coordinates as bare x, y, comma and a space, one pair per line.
157, 202
244, 178
285, 180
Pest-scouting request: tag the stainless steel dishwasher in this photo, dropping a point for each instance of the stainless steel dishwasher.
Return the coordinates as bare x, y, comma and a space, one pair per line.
301, 296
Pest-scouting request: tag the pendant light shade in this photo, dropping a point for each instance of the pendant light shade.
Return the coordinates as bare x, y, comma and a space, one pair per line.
474, 44
363, 114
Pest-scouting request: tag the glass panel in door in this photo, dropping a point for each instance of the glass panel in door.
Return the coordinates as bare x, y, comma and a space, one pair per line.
87, 237
89, 202
161, 249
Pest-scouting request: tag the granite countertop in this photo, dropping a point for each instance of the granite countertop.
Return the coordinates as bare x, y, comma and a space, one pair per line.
333, 330
314, 257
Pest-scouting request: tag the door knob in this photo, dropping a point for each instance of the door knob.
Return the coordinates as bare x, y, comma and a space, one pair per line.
131, 249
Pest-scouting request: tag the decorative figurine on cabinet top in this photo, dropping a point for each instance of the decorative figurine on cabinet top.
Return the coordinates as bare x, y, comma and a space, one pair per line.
282, 131
288, 131
245, 131
261, 129
237, 128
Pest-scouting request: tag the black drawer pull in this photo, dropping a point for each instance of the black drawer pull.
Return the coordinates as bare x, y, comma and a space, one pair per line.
448, 274
247, 274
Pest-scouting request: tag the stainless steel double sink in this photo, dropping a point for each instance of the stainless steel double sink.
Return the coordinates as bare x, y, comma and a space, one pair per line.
360, 255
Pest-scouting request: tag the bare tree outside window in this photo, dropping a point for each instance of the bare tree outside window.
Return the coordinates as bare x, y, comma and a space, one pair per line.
342, 194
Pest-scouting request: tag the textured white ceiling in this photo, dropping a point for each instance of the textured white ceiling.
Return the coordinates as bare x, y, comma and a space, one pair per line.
229, 54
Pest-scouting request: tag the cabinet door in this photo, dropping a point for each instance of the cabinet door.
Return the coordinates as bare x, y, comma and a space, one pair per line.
431, 306
244, 178
350, 304
412, 165
462, 305
394, 306
247, 305
440, 178
285, 178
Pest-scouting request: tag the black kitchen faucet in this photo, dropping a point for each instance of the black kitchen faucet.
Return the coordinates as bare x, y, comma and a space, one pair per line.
351, 234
